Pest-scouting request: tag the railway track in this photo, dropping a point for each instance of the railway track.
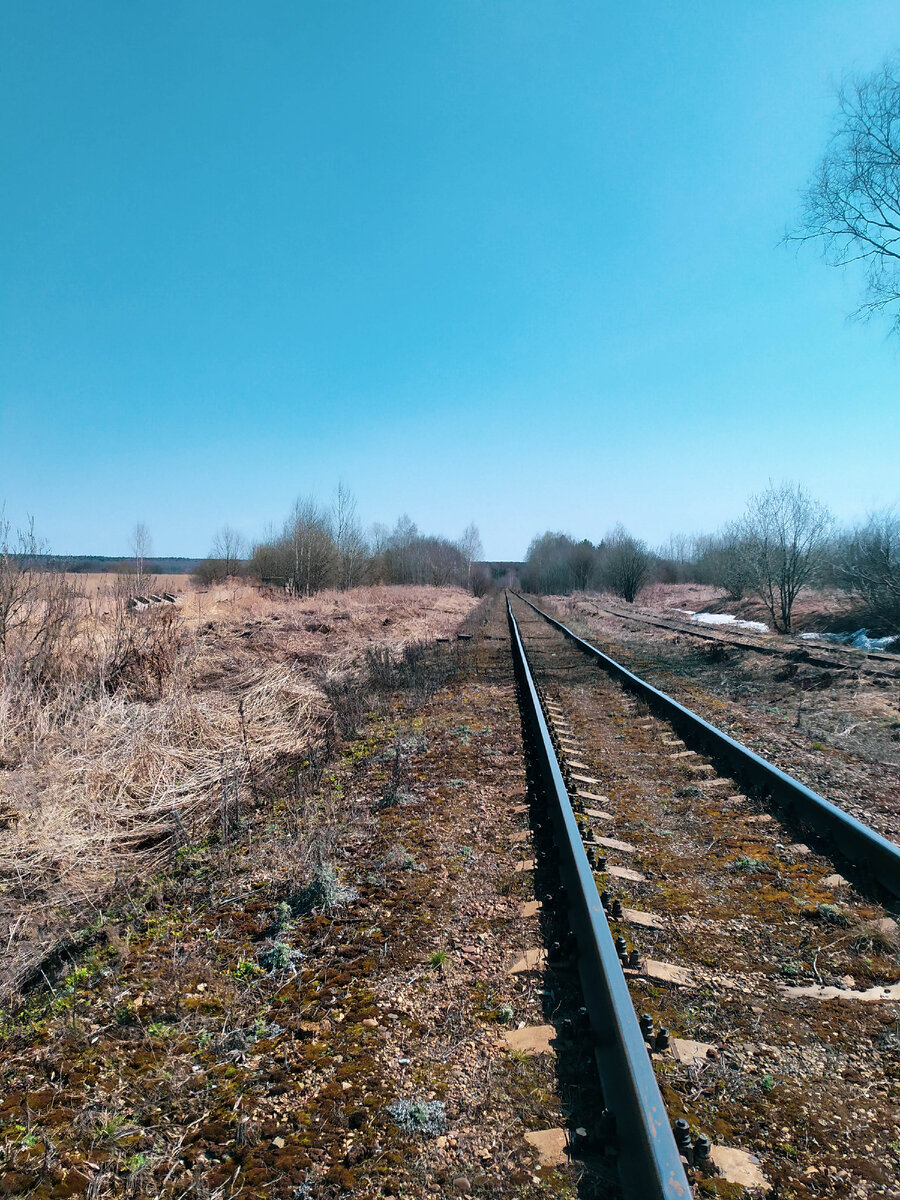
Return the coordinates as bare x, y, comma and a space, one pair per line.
875, 663
741, 994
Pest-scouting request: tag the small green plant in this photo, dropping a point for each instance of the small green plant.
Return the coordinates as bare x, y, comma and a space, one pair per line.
767, 1083
246, 969
283, 916
278, 957
505, 1014
439, 958
750, 866
325, 893
832, 915
27, 1137
426, 1117
160, 1029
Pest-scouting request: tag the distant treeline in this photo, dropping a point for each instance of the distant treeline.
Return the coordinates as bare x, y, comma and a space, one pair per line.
85, 564
784, 542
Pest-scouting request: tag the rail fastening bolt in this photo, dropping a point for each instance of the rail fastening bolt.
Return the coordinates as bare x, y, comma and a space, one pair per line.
682, 1132
702, 1149
617, 911
662, 1040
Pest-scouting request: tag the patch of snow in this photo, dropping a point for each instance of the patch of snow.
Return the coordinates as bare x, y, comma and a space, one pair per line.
705, 618
859, 640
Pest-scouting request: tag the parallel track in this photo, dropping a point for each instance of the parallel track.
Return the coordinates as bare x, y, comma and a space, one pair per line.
868, 852
876, 663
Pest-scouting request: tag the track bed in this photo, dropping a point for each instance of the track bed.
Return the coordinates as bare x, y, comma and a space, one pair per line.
775, 978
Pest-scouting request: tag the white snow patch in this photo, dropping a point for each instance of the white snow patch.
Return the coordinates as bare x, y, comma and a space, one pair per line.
705, 618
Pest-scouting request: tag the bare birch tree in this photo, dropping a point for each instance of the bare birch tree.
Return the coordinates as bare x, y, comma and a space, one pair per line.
352, 550
311, 547
851, 206
141, 549
471, 549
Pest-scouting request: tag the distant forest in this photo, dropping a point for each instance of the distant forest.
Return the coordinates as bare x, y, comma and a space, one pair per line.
84, 564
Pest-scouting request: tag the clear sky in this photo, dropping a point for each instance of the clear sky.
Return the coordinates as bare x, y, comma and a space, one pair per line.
513, 262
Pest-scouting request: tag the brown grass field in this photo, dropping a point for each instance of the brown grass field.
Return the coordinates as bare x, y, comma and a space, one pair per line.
162, 719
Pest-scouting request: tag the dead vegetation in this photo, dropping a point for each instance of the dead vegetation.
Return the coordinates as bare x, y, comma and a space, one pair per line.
145, 729
311, 1002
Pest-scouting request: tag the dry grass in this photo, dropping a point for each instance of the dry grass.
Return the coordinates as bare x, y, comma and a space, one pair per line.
156, 722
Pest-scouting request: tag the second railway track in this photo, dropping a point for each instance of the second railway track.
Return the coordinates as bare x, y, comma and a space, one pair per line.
775, 978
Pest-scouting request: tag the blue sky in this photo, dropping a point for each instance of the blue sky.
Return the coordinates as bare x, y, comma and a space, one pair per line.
511, 262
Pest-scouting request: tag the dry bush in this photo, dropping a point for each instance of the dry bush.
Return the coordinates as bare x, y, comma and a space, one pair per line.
164, 724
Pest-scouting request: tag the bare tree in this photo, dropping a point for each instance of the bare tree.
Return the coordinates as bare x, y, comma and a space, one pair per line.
311, 547
867, 563
352, 550
229, 549
782, 537
471, 549
548, 564
583, 565
677, 558
404, 555
626, 563
36, 605
851, 206
141, 549
724, 560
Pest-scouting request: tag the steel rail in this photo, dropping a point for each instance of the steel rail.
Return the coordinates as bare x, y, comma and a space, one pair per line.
873, 855
649, 1162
